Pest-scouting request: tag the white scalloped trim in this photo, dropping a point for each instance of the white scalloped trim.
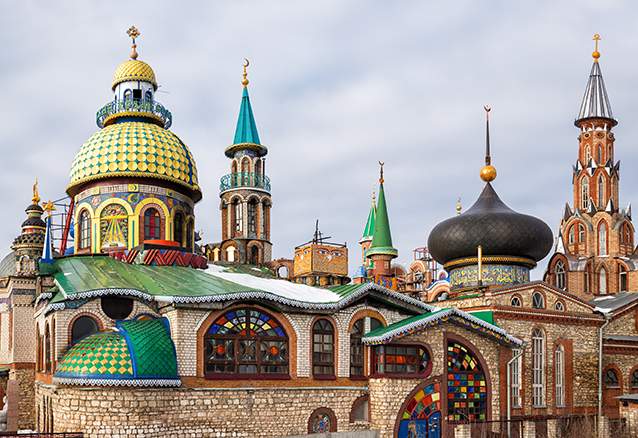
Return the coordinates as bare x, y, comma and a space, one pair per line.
116, 382
435, 317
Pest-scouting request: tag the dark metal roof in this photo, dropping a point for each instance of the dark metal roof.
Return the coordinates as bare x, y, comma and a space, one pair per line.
497, 228
611, 303
624, 338
8, 265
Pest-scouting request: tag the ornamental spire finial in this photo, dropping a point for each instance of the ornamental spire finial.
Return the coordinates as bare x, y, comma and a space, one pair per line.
596, 54
488, 172
374, 199
245, 80
459, 207
133, 32
36, 193
381, 164
49, 207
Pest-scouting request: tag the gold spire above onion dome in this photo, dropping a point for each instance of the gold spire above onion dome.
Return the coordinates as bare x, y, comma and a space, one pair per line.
134, 149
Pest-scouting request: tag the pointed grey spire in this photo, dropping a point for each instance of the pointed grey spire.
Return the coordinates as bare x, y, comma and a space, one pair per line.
595, 102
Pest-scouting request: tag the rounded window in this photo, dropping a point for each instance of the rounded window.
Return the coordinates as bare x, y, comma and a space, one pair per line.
322, 420
83, 327
538, 301
117, 307
516, 301
559, 306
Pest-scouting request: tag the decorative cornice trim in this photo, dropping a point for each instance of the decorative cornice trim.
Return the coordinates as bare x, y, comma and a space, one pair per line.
116, 382
490, 259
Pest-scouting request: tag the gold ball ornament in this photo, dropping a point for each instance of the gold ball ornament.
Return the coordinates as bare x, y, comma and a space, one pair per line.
595, 54
488, 173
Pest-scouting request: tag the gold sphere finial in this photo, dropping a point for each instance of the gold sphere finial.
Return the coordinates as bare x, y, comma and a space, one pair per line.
36, 193
488, 173
596, 54
245, 80
133, 32
459, 207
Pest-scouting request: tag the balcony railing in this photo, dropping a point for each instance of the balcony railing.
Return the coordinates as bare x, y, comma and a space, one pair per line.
244, 179
141, 106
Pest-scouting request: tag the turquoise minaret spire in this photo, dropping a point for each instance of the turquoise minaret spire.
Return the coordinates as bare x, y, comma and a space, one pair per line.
245, 193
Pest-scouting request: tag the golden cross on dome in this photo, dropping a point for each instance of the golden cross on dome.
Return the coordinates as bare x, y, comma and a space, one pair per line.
245, 81
48, 207
596, 53
133, 32
381, 163
36, 193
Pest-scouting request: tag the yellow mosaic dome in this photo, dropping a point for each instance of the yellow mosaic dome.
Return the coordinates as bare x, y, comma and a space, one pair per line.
134, 149
133, 70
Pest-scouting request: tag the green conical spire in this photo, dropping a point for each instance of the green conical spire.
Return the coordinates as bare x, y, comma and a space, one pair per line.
368, 231
382, 238
246, 131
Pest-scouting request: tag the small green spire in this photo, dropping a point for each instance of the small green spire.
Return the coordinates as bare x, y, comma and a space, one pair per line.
246, 131
382, 238
368, 231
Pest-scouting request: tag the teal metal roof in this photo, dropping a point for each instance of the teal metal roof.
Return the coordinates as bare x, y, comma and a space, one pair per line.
408, 326
84, 277
246, 131
138, 353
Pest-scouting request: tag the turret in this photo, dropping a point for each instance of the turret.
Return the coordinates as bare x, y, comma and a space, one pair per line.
245, 192
381, 252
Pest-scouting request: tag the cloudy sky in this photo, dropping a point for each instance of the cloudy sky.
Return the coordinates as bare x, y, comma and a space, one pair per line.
335, 86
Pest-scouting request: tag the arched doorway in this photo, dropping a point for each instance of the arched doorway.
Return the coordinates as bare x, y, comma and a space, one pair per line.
467, 385
420, 416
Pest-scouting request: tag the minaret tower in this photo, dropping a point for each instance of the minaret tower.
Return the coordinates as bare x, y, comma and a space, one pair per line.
596, 236
381, 252
245, 193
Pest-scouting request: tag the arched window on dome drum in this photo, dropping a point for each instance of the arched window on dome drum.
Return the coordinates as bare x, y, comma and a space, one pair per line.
323, 357
587, 155
246, 343
466, 385
114, 227
83, 327
602, 238
601, 192
600, 154
602, 281
622, 278
148, 96
538, 368
152, 224
238, 214
560, 276
190, 234
128, 95
584, 193
178, 228
85, 230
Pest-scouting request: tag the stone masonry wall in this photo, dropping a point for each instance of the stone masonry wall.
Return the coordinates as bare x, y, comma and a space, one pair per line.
26, 402
180, 412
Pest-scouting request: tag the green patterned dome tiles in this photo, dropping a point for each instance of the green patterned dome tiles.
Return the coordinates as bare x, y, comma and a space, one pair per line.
150, 339
102, 355
134, 149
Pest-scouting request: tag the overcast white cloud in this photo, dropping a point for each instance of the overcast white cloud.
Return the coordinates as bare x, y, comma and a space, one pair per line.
335, 86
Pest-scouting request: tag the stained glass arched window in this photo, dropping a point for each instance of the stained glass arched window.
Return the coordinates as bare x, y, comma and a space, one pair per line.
152, 224
85, 229
246, 342
356, 348
322, 420
422, 414
466, 385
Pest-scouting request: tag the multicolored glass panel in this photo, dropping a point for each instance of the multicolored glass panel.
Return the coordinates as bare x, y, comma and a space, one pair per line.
424, 403
401, 359
245, 322
246, 342
466, 385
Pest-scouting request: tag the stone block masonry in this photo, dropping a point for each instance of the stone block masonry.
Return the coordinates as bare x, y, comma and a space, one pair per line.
181, 412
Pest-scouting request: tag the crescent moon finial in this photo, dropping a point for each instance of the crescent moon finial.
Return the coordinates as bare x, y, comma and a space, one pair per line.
245, 81
381, 163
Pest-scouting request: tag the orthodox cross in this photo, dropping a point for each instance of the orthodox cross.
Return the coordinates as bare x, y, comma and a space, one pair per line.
133, 32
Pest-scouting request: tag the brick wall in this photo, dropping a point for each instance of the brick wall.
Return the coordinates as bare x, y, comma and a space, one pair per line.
127, 412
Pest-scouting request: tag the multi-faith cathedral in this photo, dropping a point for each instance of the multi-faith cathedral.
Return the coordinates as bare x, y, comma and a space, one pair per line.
116, 320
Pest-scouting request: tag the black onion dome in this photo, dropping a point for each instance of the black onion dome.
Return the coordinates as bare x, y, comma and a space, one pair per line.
34, 208
34, 222
497, 228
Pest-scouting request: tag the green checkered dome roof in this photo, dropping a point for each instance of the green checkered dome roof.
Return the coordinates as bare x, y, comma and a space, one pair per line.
139, 353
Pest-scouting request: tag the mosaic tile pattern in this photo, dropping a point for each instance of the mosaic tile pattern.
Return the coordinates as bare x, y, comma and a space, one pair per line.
104, 354
151, 346
466, 387
133, 70
134, 149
